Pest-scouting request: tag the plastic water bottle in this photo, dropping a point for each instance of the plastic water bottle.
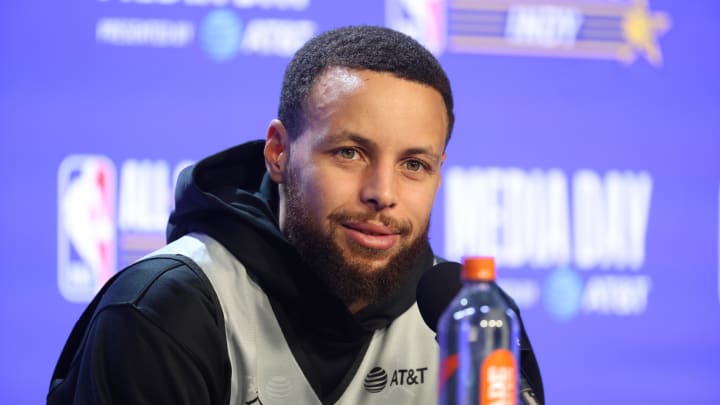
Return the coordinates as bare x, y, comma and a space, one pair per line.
478, 335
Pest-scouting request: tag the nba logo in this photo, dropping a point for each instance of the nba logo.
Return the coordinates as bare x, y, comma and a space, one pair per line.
86, 227
423, 20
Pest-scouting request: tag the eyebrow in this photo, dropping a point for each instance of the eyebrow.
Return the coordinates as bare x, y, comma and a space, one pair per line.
372, 145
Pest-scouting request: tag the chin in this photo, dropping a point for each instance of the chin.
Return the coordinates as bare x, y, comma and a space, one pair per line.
360, 255
371, 266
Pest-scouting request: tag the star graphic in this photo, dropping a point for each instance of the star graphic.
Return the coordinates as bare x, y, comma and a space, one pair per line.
641, 28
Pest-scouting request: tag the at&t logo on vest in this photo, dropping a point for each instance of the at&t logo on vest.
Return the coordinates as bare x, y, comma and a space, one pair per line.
377, 379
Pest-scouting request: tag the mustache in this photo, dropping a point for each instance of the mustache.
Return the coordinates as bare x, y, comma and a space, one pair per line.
397, 226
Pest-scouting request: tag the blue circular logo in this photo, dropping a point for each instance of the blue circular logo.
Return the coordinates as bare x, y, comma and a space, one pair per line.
563, 294
221, 34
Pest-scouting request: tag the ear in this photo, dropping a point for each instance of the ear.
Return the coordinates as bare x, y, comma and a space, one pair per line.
276, 150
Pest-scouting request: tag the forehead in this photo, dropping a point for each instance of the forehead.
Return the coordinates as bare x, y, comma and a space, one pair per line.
375, 104
333, 84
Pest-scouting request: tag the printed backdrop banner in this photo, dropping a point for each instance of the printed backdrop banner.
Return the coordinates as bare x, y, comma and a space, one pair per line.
585, 157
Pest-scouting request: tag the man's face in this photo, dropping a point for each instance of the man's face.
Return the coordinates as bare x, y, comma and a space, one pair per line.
360, 180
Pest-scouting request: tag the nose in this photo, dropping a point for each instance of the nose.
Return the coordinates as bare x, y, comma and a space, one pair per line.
379, 189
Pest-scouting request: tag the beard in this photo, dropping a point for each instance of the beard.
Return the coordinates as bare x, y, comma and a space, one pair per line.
346, 271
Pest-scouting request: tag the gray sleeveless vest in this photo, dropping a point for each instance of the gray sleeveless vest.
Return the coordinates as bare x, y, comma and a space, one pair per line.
399, 367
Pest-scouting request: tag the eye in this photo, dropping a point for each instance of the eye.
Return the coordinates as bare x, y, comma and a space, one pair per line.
414, 165
347, 153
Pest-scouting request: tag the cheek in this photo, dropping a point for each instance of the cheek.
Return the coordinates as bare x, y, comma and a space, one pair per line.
419, 202
324, 193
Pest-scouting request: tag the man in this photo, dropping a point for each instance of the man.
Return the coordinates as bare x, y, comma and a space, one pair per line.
291, 270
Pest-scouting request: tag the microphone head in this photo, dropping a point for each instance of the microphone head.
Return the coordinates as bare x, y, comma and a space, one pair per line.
436, 289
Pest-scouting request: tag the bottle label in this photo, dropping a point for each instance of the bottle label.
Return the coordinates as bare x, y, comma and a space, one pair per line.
498, 379
448, 367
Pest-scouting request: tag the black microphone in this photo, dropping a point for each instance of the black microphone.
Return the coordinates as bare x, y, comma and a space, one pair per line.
436, 289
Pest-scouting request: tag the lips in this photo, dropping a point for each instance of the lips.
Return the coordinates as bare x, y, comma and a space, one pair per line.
371, 235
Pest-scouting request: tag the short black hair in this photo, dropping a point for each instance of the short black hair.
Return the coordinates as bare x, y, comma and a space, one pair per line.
361, 47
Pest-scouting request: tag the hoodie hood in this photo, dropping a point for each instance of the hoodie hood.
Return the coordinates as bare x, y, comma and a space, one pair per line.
230, 197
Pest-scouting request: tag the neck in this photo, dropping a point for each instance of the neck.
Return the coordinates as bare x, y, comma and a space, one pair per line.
356, 306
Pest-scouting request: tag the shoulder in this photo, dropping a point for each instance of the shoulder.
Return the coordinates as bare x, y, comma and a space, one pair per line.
157, 317
169, 291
